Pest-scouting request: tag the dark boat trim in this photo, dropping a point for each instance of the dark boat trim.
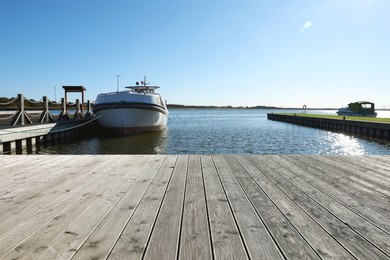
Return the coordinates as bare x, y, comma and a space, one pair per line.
130, 105
134, 130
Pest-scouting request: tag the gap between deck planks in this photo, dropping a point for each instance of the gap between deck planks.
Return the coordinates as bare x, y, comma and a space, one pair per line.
194, 207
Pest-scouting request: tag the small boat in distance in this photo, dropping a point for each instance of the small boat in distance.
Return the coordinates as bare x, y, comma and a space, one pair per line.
360, 108
137, 110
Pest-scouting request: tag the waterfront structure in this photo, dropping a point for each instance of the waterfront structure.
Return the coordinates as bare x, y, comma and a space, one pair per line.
137, 110
29, 137
27, 128
378, 130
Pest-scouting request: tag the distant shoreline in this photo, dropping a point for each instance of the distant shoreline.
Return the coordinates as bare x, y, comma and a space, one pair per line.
176, 106
37, 105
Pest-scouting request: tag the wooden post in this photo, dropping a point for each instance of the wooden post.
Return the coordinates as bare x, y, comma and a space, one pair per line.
66, 97
64, 113
78, 113
89, 109
21, 115
45, 115
82, 102
21, 107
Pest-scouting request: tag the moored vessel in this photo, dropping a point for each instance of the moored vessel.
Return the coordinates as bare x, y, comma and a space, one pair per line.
360, 108
137, 110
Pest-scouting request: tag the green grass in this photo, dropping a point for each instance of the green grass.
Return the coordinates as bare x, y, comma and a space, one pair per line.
355, 118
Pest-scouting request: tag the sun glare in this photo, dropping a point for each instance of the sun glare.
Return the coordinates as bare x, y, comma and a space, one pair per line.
345, 145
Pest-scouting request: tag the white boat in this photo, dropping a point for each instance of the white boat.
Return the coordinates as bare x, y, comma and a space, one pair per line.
137, 110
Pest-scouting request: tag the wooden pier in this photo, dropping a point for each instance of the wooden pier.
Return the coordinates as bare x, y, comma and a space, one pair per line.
194, 207
21, 128
377, 130
18, 138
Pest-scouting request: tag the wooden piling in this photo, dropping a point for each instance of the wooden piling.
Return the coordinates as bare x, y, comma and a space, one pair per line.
21, 117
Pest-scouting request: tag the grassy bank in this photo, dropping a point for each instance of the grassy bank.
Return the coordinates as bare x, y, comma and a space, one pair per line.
354, 118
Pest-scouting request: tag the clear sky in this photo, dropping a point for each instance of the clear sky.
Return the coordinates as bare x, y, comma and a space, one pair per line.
319, 53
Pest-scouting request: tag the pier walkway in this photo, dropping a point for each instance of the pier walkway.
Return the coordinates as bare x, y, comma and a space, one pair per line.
348, 125
194, 207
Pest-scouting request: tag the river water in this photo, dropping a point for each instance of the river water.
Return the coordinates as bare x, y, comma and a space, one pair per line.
228, 131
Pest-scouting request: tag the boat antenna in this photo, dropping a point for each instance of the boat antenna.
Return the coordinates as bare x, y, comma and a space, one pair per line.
145, 81
117, 83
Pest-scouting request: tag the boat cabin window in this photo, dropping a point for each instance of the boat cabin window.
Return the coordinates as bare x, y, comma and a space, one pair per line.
366, 106
143, 89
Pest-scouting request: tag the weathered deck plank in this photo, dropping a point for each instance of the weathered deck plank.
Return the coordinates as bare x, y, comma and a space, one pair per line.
133, 239
25, 179
164, 241
288, 239
370, 177
38, 242
338, 177
340, 222
257, 239
340, 191
317, 237
36, 191
74, 237
25, 220
192, 207
145, 197
226, 239
195, 235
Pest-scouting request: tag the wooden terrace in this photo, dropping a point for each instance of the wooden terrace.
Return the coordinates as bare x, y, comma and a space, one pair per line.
194, 207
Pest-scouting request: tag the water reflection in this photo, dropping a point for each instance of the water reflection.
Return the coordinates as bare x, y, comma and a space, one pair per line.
341, 144
147, 143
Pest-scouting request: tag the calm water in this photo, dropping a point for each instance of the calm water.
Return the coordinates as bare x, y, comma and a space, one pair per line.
215, 131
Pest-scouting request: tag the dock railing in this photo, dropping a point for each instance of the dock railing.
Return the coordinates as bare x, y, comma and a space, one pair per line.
30, 112
28, 123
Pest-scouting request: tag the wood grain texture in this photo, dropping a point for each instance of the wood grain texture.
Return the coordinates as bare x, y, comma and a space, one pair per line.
226, 239
79, 234
330, 215
38, 242
289, 240
322, 176
258, 240
322, 242
164, 241
195, 235
134, 237
150, 187
194, 207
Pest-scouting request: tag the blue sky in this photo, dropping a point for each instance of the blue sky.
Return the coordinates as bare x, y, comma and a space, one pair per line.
319, 53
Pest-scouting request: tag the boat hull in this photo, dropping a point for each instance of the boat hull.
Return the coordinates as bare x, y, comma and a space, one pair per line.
131, 120
353, 114
350, 113
131, 112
